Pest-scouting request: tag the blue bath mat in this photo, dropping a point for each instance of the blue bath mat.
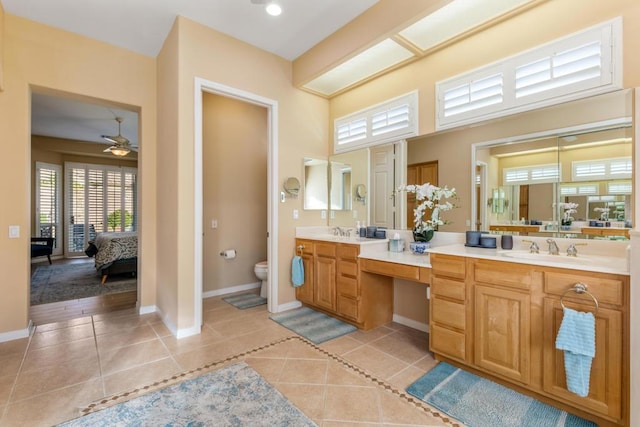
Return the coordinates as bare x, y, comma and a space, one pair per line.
243, 301
478, 402
314, 326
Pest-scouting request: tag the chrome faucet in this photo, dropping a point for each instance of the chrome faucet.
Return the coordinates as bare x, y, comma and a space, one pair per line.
534, 249
572, 250
553, 247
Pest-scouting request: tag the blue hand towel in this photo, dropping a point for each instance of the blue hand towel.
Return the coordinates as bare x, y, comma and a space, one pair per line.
297, 271
577, 337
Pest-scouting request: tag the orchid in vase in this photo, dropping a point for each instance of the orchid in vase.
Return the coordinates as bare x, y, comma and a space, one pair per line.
429, 197
569, 209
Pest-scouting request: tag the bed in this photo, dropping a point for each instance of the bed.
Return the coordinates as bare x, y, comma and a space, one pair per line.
115, 253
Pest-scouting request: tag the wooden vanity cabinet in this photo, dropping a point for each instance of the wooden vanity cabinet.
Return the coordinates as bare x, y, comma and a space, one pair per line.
608, 380
324, 266
305, 249
335, 285
502, 318
448, 308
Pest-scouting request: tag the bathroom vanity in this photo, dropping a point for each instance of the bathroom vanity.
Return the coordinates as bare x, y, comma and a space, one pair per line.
494, 312
333, 283
500, 318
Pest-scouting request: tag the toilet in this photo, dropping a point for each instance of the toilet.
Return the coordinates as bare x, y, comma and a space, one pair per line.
262, 272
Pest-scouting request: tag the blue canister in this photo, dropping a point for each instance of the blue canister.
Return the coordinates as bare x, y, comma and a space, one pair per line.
371, 231
363, 232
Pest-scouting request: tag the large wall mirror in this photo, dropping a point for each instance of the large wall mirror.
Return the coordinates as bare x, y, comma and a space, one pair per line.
568, 182
549, 141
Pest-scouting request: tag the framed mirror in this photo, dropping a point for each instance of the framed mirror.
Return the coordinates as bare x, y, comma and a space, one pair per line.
316, 184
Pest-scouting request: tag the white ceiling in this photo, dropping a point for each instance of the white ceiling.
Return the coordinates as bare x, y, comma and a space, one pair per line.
142, 26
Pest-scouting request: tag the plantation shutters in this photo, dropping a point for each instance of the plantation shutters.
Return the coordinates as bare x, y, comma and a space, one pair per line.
99, 198
582, 64
48, 206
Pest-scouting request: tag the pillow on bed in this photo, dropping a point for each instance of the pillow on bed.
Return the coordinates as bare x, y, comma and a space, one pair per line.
91, 250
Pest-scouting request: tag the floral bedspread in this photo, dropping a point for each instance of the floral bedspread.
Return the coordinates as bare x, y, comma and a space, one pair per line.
115, 246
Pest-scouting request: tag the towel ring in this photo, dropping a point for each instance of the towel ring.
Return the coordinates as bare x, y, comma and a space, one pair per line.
299, 249
580, 288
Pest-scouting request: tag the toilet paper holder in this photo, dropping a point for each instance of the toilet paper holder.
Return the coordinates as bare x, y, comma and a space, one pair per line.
231, 253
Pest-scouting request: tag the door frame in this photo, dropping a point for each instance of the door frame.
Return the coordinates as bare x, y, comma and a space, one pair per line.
201, 86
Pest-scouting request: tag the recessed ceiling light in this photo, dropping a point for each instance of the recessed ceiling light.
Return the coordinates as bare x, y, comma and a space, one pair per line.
273, 9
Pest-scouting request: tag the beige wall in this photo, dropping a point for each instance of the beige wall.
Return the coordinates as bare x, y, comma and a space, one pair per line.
36, 55
1, 47
234, 157
193, 50
56, 151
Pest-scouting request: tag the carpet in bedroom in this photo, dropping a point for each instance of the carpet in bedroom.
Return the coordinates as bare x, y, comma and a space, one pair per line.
64, 282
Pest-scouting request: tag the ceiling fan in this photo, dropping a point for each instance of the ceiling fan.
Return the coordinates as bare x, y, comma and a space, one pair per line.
121, 145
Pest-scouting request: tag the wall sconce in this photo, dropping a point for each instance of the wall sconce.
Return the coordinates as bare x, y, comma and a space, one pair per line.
291, 187
361, 193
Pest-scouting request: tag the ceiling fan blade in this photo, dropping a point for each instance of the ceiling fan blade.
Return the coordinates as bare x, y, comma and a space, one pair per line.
108, 150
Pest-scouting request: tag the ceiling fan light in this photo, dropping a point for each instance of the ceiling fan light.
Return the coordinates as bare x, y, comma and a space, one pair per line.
120, 151
273, 9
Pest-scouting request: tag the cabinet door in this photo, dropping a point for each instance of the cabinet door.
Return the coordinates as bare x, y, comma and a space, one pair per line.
605, 384
502, 332
325, 282
305, 292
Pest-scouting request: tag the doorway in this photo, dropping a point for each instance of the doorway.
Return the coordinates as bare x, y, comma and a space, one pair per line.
205, 86
80, 189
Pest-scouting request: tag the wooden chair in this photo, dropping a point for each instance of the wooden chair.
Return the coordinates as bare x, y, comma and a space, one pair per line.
42, 246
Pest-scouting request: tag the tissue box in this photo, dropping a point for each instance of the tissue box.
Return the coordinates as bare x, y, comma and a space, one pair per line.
396, 245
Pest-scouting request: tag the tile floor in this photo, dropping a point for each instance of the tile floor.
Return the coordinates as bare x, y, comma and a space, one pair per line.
65, 366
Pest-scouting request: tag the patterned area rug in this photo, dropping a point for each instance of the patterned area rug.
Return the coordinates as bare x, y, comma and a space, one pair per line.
243, 301
232, 396
64, 282
314, 326
478, 402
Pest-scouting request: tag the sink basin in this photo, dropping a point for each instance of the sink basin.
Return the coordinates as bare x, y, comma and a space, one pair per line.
561, 258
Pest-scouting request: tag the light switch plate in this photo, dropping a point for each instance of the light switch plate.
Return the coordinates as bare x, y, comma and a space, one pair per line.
295, 214
14, 231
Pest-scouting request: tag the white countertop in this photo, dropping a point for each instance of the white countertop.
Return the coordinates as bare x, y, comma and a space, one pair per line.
584, 262
598, 256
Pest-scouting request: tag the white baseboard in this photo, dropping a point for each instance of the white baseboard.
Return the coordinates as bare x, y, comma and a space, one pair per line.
288, 306
231, 290
187, 332
16, 335
147, 309
424, 327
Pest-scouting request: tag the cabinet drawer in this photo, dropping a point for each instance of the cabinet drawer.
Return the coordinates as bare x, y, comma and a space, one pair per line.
446, 342
425, 275
509, 274
607, 289
441, 286
347, 286
393, 269
448, 313
326, 249
347, 268
348, 251
307, 247
450, 266
348, 307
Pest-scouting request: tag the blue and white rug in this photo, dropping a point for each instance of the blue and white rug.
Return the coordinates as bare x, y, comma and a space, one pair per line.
478, 402
313, 325
232, 396
243, 301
